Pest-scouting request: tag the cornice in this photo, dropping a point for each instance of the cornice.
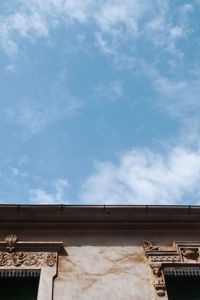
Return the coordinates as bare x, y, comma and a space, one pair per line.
101, 216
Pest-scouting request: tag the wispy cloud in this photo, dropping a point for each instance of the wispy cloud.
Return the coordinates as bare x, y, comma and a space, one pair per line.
178, 95
44, 196
114, 21
145, 177
33, 19
153, 22
21, 185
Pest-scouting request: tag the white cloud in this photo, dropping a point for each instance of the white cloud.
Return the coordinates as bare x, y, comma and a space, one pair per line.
145, 177
130, 21
58, 196
112, 21
22, 24
114, 15
34, 19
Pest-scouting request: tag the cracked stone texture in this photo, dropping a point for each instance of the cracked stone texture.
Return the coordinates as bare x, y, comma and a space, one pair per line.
101, 273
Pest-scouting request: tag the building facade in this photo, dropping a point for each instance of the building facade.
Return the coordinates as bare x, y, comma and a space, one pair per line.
99, 252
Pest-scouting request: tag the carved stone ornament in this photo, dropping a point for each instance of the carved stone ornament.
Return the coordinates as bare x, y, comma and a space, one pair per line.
148, 246
14, 253
11, 242
180, 253
190, 254
18, 259
158, 282
51, 259
24, 258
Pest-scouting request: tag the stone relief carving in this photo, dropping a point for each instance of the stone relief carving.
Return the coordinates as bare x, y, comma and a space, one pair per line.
178, 253
148, 246
19, 259
190, 254
11, 242
167, 259
51, 259
158, 282
12, 256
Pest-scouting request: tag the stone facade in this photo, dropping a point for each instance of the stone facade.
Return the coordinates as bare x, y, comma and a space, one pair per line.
87, 256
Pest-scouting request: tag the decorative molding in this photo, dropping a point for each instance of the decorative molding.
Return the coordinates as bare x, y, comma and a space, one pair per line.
179, 254
30, 258
18, 259
12, 256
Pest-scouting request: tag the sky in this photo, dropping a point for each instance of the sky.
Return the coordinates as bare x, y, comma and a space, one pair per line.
100, 102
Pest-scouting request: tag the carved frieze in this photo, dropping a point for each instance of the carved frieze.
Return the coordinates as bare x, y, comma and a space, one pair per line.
184, 253
166, 259
14, 253
18, 259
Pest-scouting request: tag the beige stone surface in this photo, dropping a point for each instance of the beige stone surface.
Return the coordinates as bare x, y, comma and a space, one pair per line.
101, 273
105, 264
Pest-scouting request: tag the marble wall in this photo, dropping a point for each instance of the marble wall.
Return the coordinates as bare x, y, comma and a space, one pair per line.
102, 273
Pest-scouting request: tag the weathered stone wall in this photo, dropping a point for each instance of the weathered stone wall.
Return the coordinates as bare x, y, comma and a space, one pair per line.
104, 264
98, 273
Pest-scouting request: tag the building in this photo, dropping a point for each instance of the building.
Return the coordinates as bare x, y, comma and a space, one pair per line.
66, 252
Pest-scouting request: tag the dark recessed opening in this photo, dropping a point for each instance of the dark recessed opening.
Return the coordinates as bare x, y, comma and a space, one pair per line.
19, 288
183, 284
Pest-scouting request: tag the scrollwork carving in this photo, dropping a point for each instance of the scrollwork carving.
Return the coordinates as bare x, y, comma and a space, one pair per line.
19, 259
51, 259
3, 259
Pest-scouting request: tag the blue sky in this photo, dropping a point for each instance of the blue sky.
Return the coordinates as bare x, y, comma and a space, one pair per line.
100, 101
